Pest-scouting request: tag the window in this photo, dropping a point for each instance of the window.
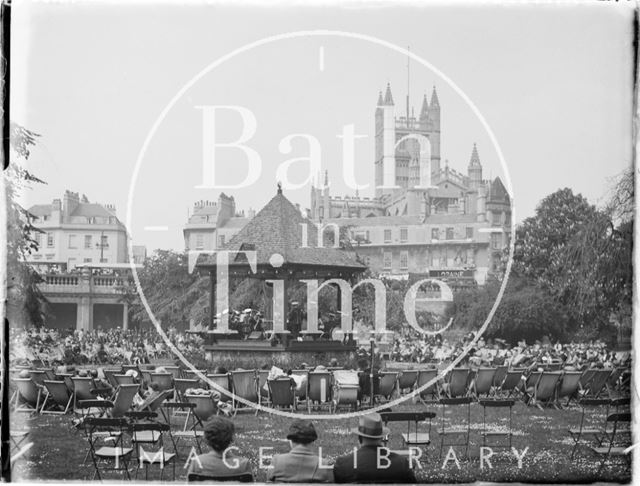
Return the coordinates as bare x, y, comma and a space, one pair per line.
50, 256
73, 241
404, 260
104, 241
387, 236
199, 241
38, 238
49, 240
87, 260
37, 257
469, 233
45, 218
404, 235
87, 241
435, 234
495, 241
104, 260
449, 233
386, 260
222, 240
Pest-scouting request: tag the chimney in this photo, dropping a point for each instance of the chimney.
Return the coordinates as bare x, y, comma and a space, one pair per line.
71, 200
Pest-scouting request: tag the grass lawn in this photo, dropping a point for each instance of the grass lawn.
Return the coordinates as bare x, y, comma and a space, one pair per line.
59, 449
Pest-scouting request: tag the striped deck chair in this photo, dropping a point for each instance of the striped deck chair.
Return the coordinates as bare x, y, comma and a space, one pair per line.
244, 385
263, 389
27, 395
544, 392
568, 387
431, 393
483, 384
57, 398
319, 389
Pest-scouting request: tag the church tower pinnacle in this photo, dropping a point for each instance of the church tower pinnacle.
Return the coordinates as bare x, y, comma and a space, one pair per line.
475, 169
388, 98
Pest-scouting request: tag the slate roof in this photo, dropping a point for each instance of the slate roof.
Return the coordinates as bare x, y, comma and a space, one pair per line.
277, 229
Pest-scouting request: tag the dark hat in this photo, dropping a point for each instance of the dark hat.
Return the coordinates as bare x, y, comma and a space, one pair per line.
370, 426
302, 431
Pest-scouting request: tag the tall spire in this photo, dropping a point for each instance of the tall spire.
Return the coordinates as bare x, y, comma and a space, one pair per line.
434, 99
425, 107
380, 100
475, 158
388, 99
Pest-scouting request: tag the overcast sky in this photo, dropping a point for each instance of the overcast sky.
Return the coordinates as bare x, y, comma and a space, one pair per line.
554, 83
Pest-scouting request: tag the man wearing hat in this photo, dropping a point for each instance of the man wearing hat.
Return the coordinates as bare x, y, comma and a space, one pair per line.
302, 463
372, 462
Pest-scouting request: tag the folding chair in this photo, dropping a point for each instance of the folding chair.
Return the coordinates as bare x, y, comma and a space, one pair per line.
57, 396
615, 447
185, 432
446, 432
282, 392
388, 383
544, 392
483, 383
457, 383
406, 380
432, 391
319, 389
568, 387
596, 433
496, 433
108, 430
223, 386
244, 385
414, 437
158, 456
27, 396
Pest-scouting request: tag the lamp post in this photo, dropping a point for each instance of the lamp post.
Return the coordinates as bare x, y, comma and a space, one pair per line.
372, 342
102, 246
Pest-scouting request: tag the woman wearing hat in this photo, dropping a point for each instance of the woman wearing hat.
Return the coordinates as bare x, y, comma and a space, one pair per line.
302, 463
361, 466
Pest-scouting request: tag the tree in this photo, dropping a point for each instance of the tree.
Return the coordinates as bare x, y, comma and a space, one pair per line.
25, 302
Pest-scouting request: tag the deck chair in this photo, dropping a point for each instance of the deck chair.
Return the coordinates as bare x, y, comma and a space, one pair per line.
490, 435
511, 383
146, 377
123, 400
237, 478
483, 384
568, 387
406, 380
585, 379
38, 377
411, 438
387, 384
175, 371
431, 393
164, 381
154, 401
345, 389
319, 389
616, 445
181, 386
192, 375
127, 367
223, 386
597, 434
66, 377
244, 385
544, 392
448, 431
500, 375
598, 384
57, 397
205, 406
105, 437
159, 456
27, 395
82, 389
282, 392
124, 380
528, 387
263, 389
109, 374
457, 383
